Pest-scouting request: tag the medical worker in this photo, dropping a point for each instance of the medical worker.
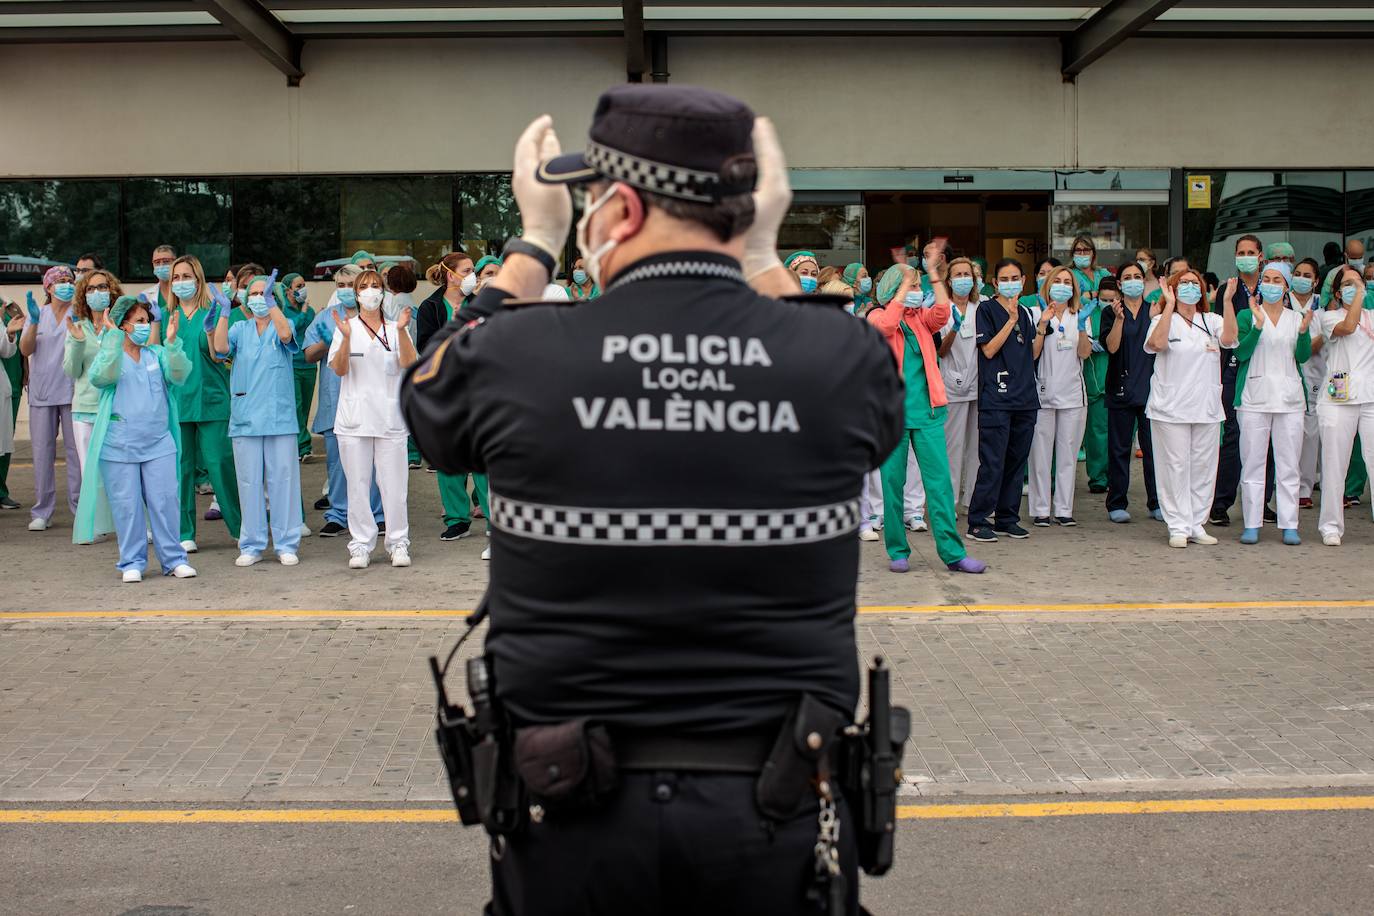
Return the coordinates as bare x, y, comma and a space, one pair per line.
1062, 343
202, 400
44, 344
859, 280
262, 423
86, 322
1007, 406
1185, 408
959, 371
134, 445
158, 296
1089, 274
1347, 399
487, 268
807, 269
1125, 325
1248, 248
1303, 296
12, 370
580, 285
300, 313
909, 327
368, 354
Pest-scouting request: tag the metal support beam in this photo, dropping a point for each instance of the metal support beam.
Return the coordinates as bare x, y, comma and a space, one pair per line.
636, 60
257, 27
1107, 28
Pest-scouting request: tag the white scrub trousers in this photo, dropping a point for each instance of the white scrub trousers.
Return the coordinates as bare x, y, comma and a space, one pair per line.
871, 501
961, 441
268, 467
82, 432
1186, 472
128, 486
361, 457
1257, 428
1310, 462
1058, 433
1339, 423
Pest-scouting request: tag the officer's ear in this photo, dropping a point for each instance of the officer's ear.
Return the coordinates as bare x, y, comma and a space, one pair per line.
631, 217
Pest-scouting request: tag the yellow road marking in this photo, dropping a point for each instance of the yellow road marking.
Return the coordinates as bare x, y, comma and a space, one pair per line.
866, 610
904, 812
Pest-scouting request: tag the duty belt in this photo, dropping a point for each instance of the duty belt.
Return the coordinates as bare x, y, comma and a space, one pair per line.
737, 753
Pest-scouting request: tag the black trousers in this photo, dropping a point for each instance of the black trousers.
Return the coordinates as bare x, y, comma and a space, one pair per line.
667, 843
1122, 423
1004, 444
1228, 461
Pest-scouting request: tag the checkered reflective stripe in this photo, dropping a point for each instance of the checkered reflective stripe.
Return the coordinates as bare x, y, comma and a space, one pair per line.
658, 177
679, 269
674, 527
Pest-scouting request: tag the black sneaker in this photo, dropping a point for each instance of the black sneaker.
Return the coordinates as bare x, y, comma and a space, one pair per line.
454, 532
1219, 519
1270, 515
322, 504
1066, 521
8, 503
1096, 488
982, 533
431, 469
332, 530
413, 465
1041, 521
1013, 530
381, 527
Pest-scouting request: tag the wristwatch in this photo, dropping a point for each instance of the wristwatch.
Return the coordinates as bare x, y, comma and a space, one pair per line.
520, 246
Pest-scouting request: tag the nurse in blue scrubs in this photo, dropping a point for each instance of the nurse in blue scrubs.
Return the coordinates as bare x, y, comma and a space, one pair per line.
262, 422
132, 461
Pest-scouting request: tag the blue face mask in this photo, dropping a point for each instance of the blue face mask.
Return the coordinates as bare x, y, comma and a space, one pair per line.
1247, 263
184, 289
1133, 289
141, 333
258, 305
1061, 292
301, 295
64, 291
961, 286
1271, 292
1303, 285
98, 300
579, 277
1082, 261
808, 284
1189, 293
914, 299
241, 296
865, 284
1009, 289
1348, 293
163, 272
347, 298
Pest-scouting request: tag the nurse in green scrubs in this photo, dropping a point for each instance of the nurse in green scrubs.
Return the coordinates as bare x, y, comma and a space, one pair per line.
856, 276
1089, 275
202, 403
300, 313
13, 366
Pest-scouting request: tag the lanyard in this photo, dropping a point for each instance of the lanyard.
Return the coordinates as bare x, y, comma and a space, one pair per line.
381, 339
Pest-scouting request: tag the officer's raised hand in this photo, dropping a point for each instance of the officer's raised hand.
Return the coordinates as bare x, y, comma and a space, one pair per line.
545, 209
772, 197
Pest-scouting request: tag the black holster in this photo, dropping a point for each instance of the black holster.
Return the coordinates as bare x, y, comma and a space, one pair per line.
871, 770
477, 753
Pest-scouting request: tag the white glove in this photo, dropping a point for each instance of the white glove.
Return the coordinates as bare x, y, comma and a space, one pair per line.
772, 197
545, 209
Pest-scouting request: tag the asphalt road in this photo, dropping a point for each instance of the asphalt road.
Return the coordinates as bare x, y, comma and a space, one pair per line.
1287, 862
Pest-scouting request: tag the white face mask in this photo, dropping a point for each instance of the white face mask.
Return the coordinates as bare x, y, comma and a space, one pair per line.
370, 299
468, 284
591, 260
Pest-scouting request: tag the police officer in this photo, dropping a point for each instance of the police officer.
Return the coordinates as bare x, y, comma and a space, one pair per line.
675, 470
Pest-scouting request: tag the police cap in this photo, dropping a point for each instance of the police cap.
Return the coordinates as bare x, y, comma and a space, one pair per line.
677, 141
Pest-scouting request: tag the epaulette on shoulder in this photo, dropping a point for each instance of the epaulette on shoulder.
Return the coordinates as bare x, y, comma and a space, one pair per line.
817, 299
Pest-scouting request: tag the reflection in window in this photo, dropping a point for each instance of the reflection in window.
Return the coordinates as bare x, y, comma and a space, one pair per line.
833, 232
289, 223
43, 223
1117, 230
399, 215
1359, 207
487, 213
191, 215
1305, 209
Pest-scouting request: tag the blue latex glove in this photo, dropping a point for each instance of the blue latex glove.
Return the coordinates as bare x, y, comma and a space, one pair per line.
33, 307
211, 318
1097, 347
271, 291
217, 296
958, 319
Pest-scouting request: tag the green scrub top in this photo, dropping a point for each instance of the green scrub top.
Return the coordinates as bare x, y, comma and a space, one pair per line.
204, 396
300, 320
919, 413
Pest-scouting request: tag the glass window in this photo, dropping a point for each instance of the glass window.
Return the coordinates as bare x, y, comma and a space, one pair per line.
833, 232
487, 213
1117, 230
397, 215
1359, 208
302, 233
43, 223
1305, 209
192, 215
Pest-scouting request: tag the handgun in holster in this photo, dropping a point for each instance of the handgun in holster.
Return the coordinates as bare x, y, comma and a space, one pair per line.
871, 770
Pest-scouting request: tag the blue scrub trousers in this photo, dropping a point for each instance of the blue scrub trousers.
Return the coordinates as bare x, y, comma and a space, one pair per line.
338, 485
128, 486
268, 468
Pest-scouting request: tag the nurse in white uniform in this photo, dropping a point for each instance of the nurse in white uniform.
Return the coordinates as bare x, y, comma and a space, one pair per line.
1062, 343
369, 355
1347, 399
959, 368
1304, 297
1185, 408
1273, 342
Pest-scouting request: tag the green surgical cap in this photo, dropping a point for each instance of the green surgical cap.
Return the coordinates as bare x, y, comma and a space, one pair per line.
120, 309
481, 265
890, 282
851, 273
801, 256
1280, 250
287, 280
278, 291
361, 256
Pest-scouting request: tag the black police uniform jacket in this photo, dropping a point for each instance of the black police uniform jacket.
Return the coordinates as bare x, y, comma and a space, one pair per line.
675, 471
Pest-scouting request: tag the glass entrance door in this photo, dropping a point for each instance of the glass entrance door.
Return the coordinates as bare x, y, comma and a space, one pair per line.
1118, 222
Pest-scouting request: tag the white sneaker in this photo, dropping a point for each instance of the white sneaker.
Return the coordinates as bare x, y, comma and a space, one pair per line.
400, 557
184, 571
486, 554
133, 575
1331, 540
917, 522
39, 524
1178, 540
248, 559
305, 531
868, 534
1203, 538
189, 546
288, 559
359, 560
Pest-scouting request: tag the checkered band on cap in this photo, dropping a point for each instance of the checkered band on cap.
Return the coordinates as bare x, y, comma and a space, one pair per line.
657, 177
674, 527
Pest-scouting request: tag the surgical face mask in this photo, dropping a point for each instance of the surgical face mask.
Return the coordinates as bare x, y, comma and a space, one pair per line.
468, 284
1271, 292
593, 258
1009, 289
961, 286
579, 277
370, 299
141, 333
241, 296
1356, 263
808, 284
914, 299
98, 300
302, 295
347, 298
1144, 266
1348, 293
163, 272
1133, 289
1303, 285
1189, 293
184, 289
257, 304
865, 284
1247, 263
1082, 261
1061, 292
64, 291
